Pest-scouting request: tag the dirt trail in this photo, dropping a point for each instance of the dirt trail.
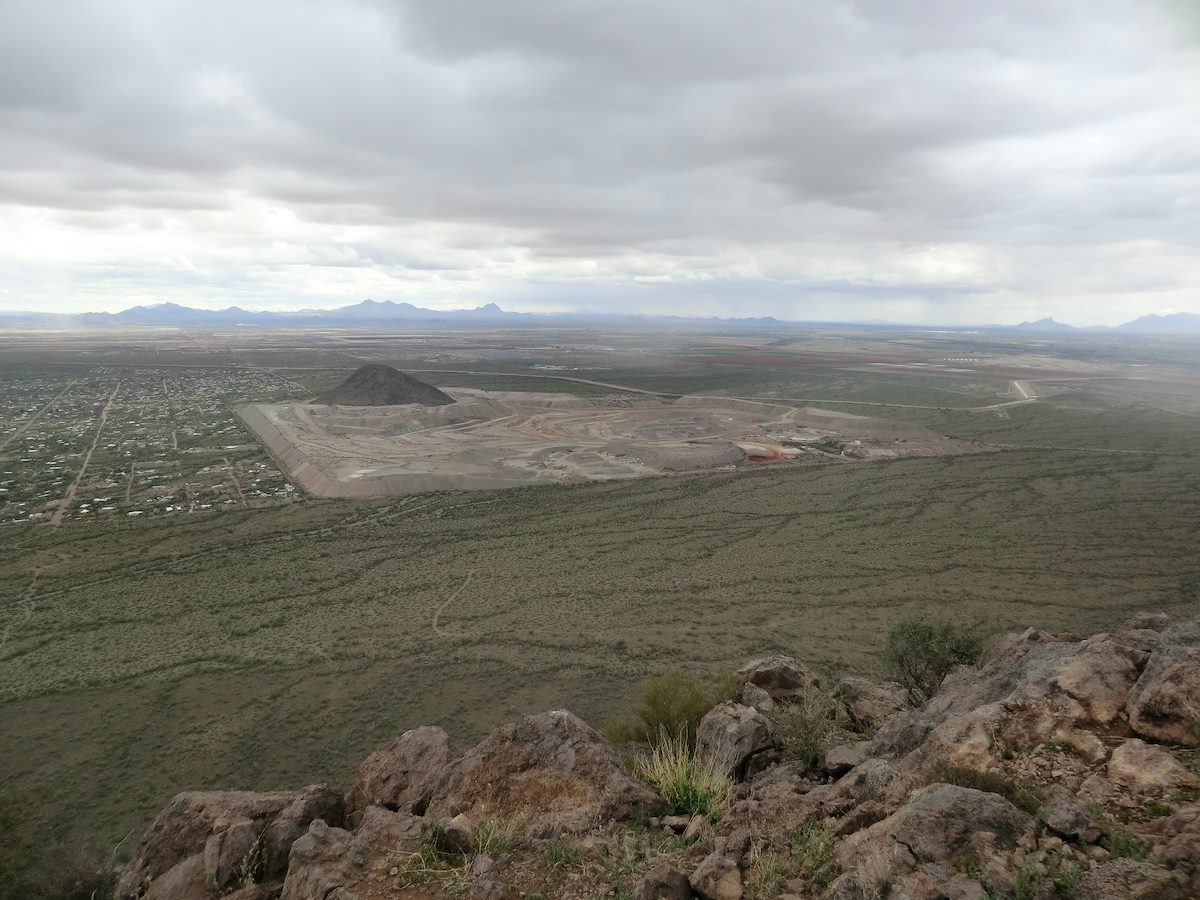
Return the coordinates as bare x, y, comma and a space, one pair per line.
237, 485
1030, 397
57, 518
37, 415
26, 601
129, 481
437, 613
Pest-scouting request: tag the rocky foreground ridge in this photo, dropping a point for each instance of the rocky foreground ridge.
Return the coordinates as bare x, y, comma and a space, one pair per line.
1060, 767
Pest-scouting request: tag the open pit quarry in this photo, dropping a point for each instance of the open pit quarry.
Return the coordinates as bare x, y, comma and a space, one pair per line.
498, 439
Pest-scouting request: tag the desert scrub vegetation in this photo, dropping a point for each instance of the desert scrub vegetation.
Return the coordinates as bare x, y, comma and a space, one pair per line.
441, 865
808, 854
918, 654
31, 869
672, 705
690, 785
808, 725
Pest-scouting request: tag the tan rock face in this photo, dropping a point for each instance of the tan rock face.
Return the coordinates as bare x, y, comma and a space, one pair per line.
730, 734
1165, 702
402, 774
552, 770
1148, 771
717, 878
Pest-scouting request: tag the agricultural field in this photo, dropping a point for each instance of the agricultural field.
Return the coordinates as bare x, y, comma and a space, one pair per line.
276, 641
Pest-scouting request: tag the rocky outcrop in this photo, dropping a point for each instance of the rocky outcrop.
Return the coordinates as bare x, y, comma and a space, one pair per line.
929, 836
1165, 703
1060, 763
207, 842
552, 770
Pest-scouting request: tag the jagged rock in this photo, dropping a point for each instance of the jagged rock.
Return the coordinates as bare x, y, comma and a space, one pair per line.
1033, 688
753, 695
209, 833
1165, 702
313, 803
1148, 771
781, 677
862, 816
717, 878
870, 704
730, 735
841, 758
459, 834
402, 774
1131, 879
326, 864
678, 824
385, 831
1175, 843
1067, 818
663, 881
940, 824
552, 769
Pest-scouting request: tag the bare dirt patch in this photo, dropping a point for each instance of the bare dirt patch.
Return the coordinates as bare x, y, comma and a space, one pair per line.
495, 439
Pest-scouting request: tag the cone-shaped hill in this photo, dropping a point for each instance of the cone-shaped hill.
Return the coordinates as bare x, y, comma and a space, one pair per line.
379, 385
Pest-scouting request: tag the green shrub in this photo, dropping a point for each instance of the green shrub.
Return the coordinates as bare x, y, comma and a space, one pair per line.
672, 703
807, 726
1060, 881
808, 854
919, 654
689, 786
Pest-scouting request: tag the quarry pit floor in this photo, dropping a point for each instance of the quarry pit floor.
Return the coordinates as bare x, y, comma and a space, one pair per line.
497, 439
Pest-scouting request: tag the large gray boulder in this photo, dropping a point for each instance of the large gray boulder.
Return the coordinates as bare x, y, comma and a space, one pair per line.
327, 864
731, 735
402, 774
940, 826
1165, 703
781, 677
552, 770
204, 842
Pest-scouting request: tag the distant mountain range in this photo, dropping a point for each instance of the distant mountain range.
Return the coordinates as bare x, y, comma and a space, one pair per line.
388, 312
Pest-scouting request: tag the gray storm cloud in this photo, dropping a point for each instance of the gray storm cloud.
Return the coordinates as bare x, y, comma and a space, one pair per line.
921, 161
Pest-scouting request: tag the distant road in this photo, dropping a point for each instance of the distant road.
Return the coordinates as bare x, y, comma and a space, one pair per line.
603, 384
37, 415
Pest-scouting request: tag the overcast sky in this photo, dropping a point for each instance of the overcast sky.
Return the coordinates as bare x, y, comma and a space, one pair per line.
954, 161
